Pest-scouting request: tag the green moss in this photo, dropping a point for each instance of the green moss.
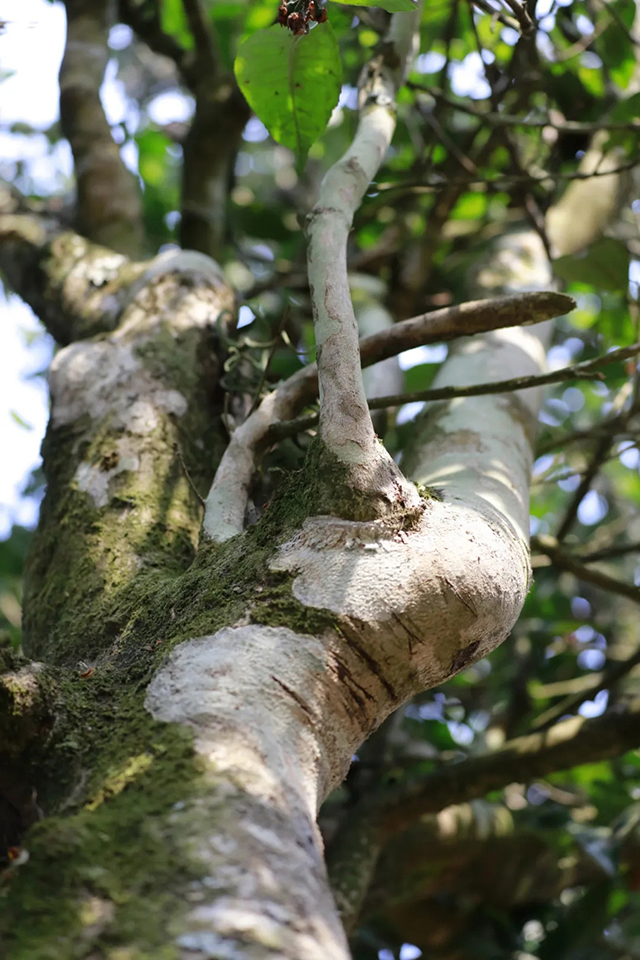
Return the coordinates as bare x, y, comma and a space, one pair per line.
112, 869
428, 493
115, 872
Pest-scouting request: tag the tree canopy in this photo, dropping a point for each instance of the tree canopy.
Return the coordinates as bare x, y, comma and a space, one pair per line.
497, 844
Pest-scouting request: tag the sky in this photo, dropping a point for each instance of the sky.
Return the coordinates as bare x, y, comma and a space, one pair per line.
31, 48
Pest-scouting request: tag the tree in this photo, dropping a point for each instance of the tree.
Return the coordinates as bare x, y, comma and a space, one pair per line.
198, 673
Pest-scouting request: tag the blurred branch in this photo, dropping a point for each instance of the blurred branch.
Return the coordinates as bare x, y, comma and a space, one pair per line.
599, 457
566, 561
209, 160
495, 14
571, 703
201, 30
565, 745
387, 811
144, 20
221, 114
520, 12
109, 208
613, 550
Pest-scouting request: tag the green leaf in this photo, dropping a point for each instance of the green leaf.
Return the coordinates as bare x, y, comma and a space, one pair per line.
174, 21
392, 6
604, 265
15, 416
291, 83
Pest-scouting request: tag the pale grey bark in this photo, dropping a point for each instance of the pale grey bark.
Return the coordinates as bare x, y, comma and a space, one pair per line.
377, 609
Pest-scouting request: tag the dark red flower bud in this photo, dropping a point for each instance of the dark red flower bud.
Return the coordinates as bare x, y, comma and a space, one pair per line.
295, 22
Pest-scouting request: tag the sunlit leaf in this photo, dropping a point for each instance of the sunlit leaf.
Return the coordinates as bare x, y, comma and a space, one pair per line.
15, 416
174, 22
292, 83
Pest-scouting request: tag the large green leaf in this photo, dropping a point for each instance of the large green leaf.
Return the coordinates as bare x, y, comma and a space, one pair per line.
392, 6
291, 83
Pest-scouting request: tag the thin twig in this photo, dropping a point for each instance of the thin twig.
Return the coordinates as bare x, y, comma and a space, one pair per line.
587, 370
600, 455
443, 184
274, 346
598, 459
497, 119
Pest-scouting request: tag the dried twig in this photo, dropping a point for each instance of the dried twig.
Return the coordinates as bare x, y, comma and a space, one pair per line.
587, 370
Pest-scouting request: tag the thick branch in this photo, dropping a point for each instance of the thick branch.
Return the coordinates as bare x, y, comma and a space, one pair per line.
345, 423
109, 210
128, 411
565, 745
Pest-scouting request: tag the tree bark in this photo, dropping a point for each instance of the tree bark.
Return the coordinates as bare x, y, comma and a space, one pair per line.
209, 688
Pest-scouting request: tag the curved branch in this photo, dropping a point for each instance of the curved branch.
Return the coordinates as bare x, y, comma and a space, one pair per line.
345, 423
226, 503
109, 209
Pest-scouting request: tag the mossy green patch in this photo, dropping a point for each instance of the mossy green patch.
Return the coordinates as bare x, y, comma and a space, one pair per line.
116, 871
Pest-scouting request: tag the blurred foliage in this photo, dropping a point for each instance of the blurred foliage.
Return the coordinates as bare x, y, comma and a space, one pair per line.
486, 139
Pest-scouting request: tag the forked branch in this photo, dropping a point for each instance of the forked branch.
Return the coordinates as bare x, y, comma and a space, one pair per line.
227, 500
